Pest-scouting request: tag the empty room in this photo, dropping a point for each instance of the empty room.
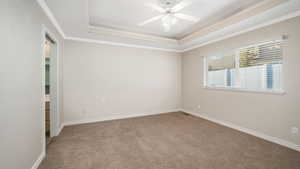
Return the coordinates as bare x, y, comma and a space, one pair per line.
150, 84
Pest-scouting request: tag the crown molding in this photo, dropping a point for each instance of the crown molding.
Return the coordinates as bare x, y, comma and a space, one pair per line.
131, 35
120, 44
274, 21
144, 37
50, 15
53, 20
234, 19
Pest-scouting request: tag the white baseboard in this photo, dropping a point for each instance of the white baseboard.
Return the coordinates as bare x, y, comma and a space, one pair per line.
248, 131
39, 160
60, 129
116, 117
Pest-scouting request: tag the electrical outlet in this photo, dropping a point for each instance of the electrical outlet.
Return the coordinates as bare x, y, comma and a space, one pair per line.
294, 130
199, 107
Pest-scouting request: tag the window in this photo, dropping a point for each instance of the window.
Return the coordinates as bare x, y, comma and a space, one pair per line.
221, 71
257, 67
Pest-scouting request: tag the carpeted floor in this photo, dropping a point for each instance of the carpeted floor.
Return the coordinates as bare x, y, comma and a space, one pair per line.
166, 141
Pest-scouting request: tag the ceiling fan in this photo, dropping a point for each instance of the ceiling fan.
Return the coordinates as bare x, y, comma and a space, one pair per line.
170, 13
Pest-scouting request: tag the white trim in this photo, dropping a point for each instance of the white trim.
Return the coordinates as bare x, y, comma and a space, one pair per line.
120, 44
283, 18
55, 123
273, 92
245, 14
117, 117
48, 12
248, 131
53, 20
39, 160
50, 15
132, 35
60, 129
237, 87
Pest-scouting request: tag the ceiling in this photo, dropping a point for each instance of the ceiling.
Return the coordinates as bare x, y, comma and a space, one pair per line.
125, 15
117, 21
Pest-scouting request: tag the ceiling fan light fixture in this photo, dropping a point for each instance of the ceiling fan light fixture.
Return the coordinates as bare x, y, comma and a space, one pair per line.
168, 4
169, 20
174, 20
170, 13
167, 27
166, 20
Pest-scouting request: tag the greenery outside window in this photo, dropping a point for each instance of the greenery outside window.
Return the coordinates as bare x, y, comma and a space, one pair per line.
255, 68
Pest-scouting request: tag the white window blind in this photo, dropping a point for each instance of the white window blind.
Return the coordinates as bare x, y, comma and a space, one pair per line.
260, 66
256, 67
261, 54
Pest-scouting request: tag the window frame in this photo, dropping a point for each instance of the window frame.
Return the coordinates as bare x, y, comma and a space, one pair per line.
237, 87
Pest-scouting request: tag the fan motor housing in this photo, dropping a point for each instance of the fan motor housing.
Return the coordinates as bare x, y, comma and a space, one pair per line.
168, 3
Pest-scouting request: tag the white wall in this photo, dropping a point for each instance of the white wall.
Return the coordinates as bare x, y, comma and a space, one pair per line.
107, 82
273, 115
21, 92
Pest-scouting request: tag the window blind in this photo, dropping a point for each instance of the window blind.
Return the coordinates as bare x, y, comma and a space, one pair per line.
263, 61
266, 53
222, 63
221, 70
256, 67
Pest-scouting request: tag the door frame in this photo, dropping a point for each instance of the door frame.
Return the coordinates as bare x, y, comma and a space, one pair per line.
54, 115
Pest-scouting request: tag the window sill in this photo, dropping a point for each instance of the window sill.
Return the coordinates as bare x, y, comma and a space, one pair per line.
272, 92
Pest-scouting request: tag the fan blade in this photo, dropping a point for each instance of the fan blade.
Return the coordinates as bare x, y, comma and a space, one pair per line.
156, 7
151, 20
180, 6
186, 17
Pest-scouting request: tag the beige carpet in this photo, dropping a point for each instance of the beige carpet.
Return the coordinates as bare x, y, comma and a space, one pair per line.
167, 141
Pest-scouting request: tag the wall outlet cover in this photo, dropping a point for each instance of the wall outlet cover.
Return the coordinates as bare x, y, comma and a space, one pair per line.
294, 130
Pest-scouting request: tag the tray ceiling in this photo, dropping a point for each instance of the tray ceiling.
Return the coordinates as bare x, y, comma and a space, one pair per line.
116, 22
126, 15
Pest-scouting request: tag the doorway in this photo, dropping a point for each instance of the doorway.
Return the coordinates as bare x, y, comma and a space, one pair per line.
50, 86
48, 45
